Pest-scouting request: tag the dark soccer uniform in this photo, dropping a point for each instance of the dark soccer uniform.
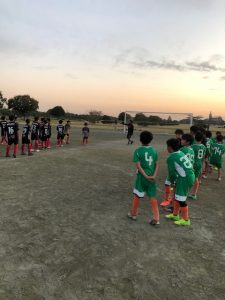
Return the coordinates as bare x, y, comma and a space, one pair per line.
12, 132
25, 134
49, 131
130, 130
60, 131
3, 127
34, 131
45, 133
41, 130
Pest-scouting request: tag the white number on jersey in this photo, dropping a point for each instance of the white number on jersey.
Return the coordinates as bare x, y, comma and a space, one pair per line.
11, 130
200, 153
148, 158
186, 161
217, 150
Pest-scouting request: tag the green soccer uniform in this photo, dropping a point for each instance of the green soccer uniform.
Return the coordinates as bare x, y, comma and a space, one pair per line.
147, 156
209, 143
218, 149
199, 150
189, 152
180, 170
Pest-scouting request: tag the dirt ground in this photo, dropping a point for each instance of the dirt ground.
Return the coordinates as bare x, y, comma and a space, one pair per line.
65, 235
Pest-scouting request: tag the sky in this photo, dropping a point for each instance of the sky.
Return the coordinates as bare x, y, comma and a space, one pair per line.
112, 56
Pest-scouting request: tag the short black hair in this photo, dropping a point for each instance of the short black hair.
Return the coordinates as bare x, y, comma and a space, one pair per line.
2, 117
11, 118
146, 137
188, 138
219, 138
174, 144
194, 129
179, 131
48, 119
36, 118
60, 121
27, 121
85, 123
208, 134
218, 132
199, 136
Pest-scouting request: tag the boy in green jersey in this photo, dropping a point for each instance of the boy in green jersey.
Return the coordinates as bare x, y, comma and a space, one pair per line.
181, 172
146, 159
186, 142
209, 143
199, 150
218, 149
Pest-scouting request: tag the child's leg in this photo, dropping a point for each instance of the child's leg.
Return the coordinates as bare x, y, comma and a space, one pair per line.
36, 145
8, 149
195, 187
15, 149
22, 148
29, 148
219, 174
184, 210
155, 208
135, 205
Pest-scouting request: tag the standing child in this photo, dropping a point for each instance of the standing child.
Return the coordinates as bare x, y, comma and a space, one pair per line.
85, 133
146, 159
209, 143
12, 129
45, 134
35, 134
26, 139
3, 123
199, 150
186, 142
130, 131
218, 149
49, 133
67, 132
181, 172
60, 133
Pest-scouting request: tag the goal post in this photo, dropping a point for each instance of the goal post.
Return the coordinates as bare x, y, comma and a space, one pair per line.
177, 116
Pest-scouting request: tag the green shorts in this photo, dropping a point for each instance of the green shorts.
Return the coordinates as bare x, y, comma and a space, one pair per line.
198, 170
183, 186
143, 186
216, 163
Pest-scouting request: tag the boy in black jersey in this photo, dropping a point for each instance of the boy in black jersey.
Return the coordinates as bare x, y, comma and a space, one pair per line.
3, 125
26, 138
49, 133
60, 133
11, 132
44, 135
41, 130
35, 134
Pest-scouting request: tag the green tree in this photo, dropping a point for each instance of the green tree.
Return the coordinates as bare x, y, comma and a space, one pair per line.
141, 119
121, 116
3, 101
56, 111
23, 104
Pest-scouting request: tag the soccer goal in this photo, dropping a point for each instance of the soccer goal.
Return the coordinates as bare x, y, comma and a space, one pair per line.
145, 119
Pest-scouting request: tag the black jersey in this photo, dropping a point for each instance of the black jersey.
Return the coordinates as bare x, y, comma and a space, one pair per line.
49, 130
60, 129
12, 129
46, 130
26, 131
3, 127
35, 127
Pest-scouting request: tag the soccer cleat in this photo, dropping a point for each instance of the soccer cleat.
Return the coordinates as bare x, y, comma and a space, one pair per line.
165, 203
14, 155
130, 216
37, 150
193, 197
7, 155
183, 222
204, 176
219, 179
30, 154
173, 217
154, 222
23, 153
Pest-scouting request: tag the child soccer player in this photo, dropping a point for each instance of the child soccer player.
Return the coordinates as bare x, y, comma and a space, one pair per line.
45, 134
199, 150
193, 130
35, 134
85, 133
168, 190
25, 138
12, 129
218, 149
209, 144
60, 133
49, 133
67, 132
3, 123
186, 142
181, 172
146, 159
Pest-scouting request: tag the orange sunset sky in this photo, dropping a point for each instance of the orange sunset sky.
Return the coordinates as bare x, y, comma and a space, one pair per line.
115, 55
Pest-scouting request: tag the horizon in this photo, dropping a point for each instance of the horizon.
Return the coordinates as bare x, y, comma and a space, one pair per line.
113, 57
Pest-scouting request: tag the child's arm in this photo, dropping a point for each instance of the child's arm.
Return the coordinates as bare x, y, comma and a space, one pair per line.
149, 178
152, 178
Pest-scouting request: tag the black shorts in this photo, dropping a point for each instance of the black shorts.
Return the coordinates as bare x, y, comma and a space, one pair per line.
129, 135
34, 136
44, 138
25, 140
12, 140
60, 136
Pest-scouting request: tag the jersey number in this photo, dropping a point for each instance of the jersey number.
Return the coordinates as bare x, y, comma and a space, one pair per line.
186, 161
200, 153
148, 158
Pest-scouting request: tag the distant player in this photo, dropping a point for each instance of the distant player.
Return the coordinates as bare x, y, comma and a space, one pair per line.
199, 150
85, 133
209, 143
49, 133
60, 133
45, 135
35, 134
12, 137
178, 133
3, 123
26, 138
130, 131
146, 159
216, 159
67, 131
41, 130
181, 172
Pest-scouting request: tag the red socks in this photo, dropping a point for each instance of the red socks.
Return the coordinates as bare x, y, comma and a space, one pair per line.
155, 209
135, 205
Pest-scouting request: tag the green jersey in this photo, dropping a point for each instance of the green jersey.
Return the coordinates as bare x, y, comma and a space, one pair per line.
199, 150
218, 149
147, 156
209, 143
189, 152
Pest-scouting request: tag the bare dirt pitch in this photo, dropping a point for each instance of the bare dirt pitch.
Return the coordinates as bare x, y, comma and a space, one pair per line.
64, 232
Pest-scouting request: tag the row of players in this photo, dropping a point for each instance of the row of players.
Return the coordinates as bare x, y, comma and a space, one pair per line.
36, 135
191, 156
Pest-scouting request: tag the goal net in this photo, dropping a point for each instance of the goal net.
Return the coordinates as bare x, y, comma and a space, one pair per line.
145, 119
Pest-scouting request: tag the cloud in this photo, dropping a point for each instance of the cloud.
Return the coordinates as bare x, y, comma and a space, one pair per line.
139, 58
71, 76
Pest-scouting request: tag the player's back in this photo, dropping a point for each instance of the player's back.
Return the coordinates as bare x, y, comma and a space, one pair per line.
147, 156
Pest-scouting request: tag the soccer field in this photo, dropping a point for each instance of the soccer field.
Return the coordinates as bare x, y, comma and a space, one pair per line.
65, 235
